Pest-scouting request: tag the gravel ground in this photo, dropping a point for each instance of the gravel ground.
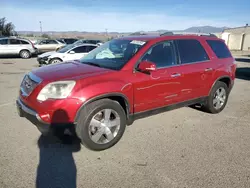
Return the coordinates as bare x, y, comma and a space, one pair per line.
180, 148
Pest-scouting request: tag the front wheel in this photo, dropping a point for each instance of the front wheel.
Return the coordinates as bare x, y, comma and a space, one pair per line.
55, 60
101, 124
217, 99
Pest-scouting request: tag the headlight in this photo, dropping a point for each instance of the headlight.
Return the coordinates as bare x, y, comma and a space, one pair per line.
56, 90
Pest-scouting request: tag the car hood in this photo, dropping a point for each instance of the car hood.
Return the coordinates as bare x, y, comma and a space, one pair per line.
68, 70
47, 54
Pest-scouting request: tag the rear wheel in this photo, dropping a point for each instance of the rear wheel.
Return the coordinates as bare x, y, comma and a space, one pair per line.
25, 54
217, 99
101, 124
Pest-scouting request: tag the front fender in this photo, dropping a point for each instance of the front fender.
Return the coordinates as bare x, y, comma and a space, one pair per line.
95, 91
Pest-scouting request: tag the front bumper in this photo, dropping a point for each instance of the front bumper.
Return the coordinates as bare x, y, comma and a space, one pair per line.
25, 111
42, 60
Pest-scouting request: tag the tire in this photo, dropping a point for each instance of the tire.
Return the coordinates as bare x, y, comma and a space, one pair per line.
25, 54
84, 129
210, 104
55, 60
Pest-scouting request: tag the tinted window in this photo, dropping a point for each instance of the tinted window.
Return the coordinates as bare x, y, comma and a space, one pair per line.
81, 49
89, 48
3, 41
162, 54
24, 42
52, 42
14, 41
191, 51
219, 48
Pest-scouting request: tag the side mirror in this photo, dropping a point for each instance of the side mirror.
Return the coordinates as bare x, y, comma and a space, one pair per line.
147, 66
71, 52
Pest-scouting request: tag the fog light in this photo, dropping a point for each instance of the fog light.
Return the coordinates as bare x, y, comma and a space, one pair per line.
44, 117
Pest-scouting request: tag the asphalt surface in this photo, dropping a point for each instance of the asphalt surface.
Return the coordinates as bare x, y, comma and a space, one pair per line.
181, 148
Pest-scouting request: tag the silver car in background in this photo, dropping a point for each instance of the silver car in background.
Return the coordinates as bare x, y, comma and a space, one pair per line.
17, 46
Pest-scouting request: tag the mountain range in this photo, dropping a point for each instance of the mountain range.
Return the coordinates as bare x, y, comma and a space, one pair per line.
202, 29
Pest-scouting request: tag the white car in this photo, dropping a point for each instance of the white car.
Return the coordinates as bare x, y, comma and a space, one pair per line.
67, 53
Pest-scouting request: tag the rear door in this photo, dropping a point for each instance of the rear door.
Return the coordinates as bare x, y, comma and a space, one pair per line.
14, 46
161, 87
52, 45
196, 67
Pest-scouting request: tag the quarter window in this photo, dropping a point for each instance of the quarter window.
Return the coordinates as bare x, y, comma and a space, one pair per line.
24, 42
162, 54
191, 51
220, 49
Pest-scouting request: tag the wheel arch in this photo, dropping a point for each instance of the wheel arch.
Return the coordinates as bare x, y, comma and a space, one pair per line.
54, 58
119, 97
226, 79
24, 50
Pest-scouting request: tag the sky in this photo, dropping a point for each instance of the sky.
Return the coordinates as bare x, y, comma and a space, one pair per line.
123, 15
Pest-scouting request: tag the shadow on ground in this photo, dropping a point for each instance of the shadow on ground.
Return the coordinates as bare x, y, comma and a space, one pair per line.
243, 73
57, 167
244, 60
14, 56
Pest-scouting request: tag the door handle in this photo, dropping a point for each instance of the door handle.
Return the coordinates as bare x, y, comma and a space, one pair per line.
175, 75
208, 69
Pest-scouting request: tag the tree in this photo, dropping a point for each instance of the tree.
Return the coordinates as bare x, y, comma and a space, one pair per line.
7, 29
45, 36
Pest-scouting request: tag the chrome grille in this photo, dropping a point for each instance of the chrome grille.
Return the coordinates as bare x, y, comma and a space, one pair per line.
28, 85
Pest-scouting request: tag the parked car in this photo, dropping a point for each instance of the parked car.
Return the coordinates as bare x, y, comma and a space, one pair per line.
17, 46
126, 79
68, 40
69, 52
47, 45
88, 41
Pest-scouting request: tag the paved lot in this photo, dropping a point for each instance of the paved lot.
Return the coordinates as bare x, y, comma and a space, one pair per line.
181, 148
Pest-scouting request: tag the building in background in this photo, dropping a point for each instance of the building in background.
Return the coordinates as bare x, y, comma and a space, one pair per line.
237, 38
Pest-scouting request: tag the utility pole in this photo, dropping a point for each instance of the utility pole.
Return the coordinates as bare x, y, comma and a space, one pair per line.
41, 28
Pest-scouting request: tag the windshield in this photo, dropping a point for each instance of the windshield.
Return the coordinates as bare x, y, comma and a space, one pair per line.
66, 48
113, 54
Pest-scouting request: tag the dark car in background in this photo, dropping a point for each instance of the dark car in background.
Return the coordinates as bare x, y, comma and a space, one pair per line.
89, 41
68, 40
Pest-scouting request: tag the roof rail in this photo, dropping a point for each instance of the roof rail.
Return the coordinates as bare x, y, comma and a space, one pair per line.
187, 33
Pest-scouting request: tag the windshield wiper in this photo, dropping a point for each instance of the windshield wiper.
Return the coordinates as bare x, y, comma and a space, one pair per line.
93, 64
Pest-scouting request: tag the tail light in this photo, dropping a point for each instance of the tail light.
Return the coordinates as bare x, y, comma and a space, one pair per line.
32, 44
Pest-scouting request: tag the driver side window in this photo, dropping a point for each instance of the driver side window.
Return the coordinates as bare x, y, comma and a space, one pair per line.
162, 54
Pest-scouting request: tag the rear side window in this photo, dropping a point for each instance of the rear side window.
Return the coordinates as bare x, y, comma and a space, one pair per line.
220, 49
90, 48
191, 51
14, 41
81, 49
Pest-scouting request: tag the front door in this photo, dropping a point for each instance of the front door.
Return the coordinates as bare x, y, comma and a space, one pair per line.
3, 46
161, 87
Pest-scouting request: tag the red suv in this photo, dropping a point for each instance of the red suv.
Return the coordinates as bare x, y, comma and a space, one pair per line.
126, 79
